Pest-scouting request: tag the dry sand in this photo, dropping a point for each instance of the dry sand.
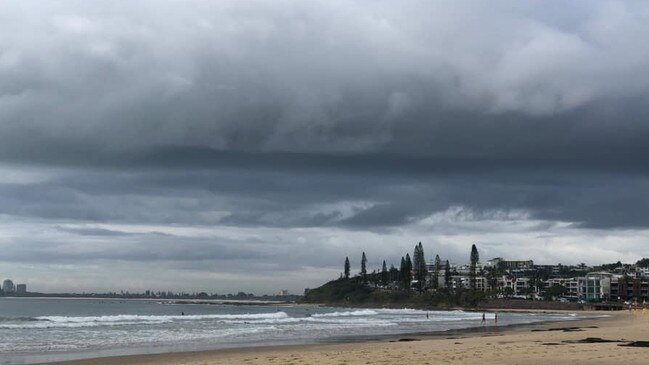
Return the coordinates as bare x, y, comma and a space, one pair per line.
540, 344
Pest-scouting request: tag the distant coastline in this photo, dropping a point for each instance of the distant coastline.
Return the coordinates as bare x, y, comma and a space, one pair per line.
181, 297
169, 301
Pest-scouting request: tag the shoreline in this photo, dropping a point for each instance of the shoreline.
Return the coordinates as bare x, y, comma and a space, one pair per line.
246, 355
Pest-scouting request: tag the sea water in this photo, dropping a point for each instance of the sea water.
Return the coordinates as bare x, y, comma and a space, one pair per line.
39, 330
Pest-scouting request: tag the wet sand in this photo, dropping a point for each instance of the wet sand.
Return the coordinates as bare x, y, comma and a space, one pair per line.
588, 341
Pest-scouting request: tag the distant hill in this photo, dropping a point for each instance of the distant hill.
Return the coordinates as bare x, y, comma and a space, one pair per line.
352, 292
339, 291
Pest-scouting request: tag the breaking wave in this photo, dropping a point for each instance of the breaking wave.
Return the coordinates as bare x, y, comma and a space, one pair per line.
364, 312
127, 319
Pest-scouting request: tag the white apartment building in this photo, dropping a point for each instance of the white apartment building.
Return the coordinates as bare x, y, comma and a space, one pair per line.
595, 286
572, 284
463, 281
519, 286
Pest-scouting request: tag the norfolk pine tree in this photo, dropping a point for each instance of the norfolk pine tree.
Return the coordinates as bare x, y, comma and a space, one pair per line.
419, 266
394, 274
438, 265
408, 272
475, 257
447, 275
402, 272
364, 267
415, 266
346, 267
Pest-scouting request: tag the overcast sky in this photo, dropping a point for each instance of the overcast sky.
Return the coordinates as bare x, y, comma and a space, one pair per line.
252, 145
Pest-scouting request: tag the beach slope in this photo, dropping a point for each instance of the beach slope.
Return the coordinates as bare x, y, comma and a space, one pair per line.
617, 339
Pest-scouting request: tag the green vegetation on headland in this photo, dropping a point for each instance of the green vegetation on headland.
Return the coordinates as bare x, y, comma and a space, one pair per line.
498, 284
354, 292
411, 285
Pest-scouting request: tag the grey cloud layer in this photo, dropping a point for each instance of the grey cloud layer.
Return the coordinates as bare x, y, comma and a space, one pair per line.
329, 76
371, 199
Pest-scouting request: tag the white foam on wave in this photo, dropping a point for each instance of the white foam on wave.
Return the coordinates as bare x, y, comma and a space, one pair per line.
406, 311
104, 339
364, 317
154, 318
364, 312
351, 320
409, 315
46, 325
108, 331
132, 319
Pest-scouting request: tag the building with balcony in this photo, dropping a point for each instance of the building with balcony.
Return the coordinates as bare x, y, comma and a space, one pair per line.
628, 288
595, 286
518, 286
571, 284
511, 264
464, 282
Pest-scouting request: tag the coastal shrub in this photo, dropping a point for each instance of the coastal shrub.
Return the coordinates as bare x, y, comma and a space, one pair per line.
339, 291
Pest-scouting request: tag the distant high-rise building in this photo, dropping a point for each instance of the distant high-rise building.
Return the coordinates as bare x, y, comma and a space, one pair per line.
8, 287
21, 288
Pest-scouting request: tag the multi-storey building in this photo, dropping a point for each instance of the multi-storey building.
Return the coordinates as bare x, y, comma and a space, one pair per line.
511, 264
464, 282
595, 286
627, 288
624, 282
549, 269
466, 269
430, 266
8, 287
571, 284
519, 286
21, 289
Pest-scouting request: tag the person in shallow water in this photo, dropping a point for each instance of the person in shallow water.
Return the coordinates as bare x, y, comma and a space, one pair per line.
484, 318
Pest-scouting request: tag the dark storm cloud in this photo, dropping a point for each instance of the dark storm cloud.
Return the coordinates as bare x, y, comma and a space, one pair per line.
367, 199
94, 231
443, 78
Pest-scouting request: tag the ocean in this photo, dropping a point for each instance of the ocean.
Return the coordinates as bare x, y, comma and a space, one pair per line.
41, 330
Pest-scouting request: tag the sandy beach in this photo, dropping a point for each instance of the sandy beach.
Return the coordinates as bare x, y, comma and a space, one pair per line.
589, 341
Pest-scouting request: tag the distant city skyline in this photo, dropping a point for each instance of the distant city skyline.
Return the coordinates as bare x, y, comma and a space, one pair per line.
8, 287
